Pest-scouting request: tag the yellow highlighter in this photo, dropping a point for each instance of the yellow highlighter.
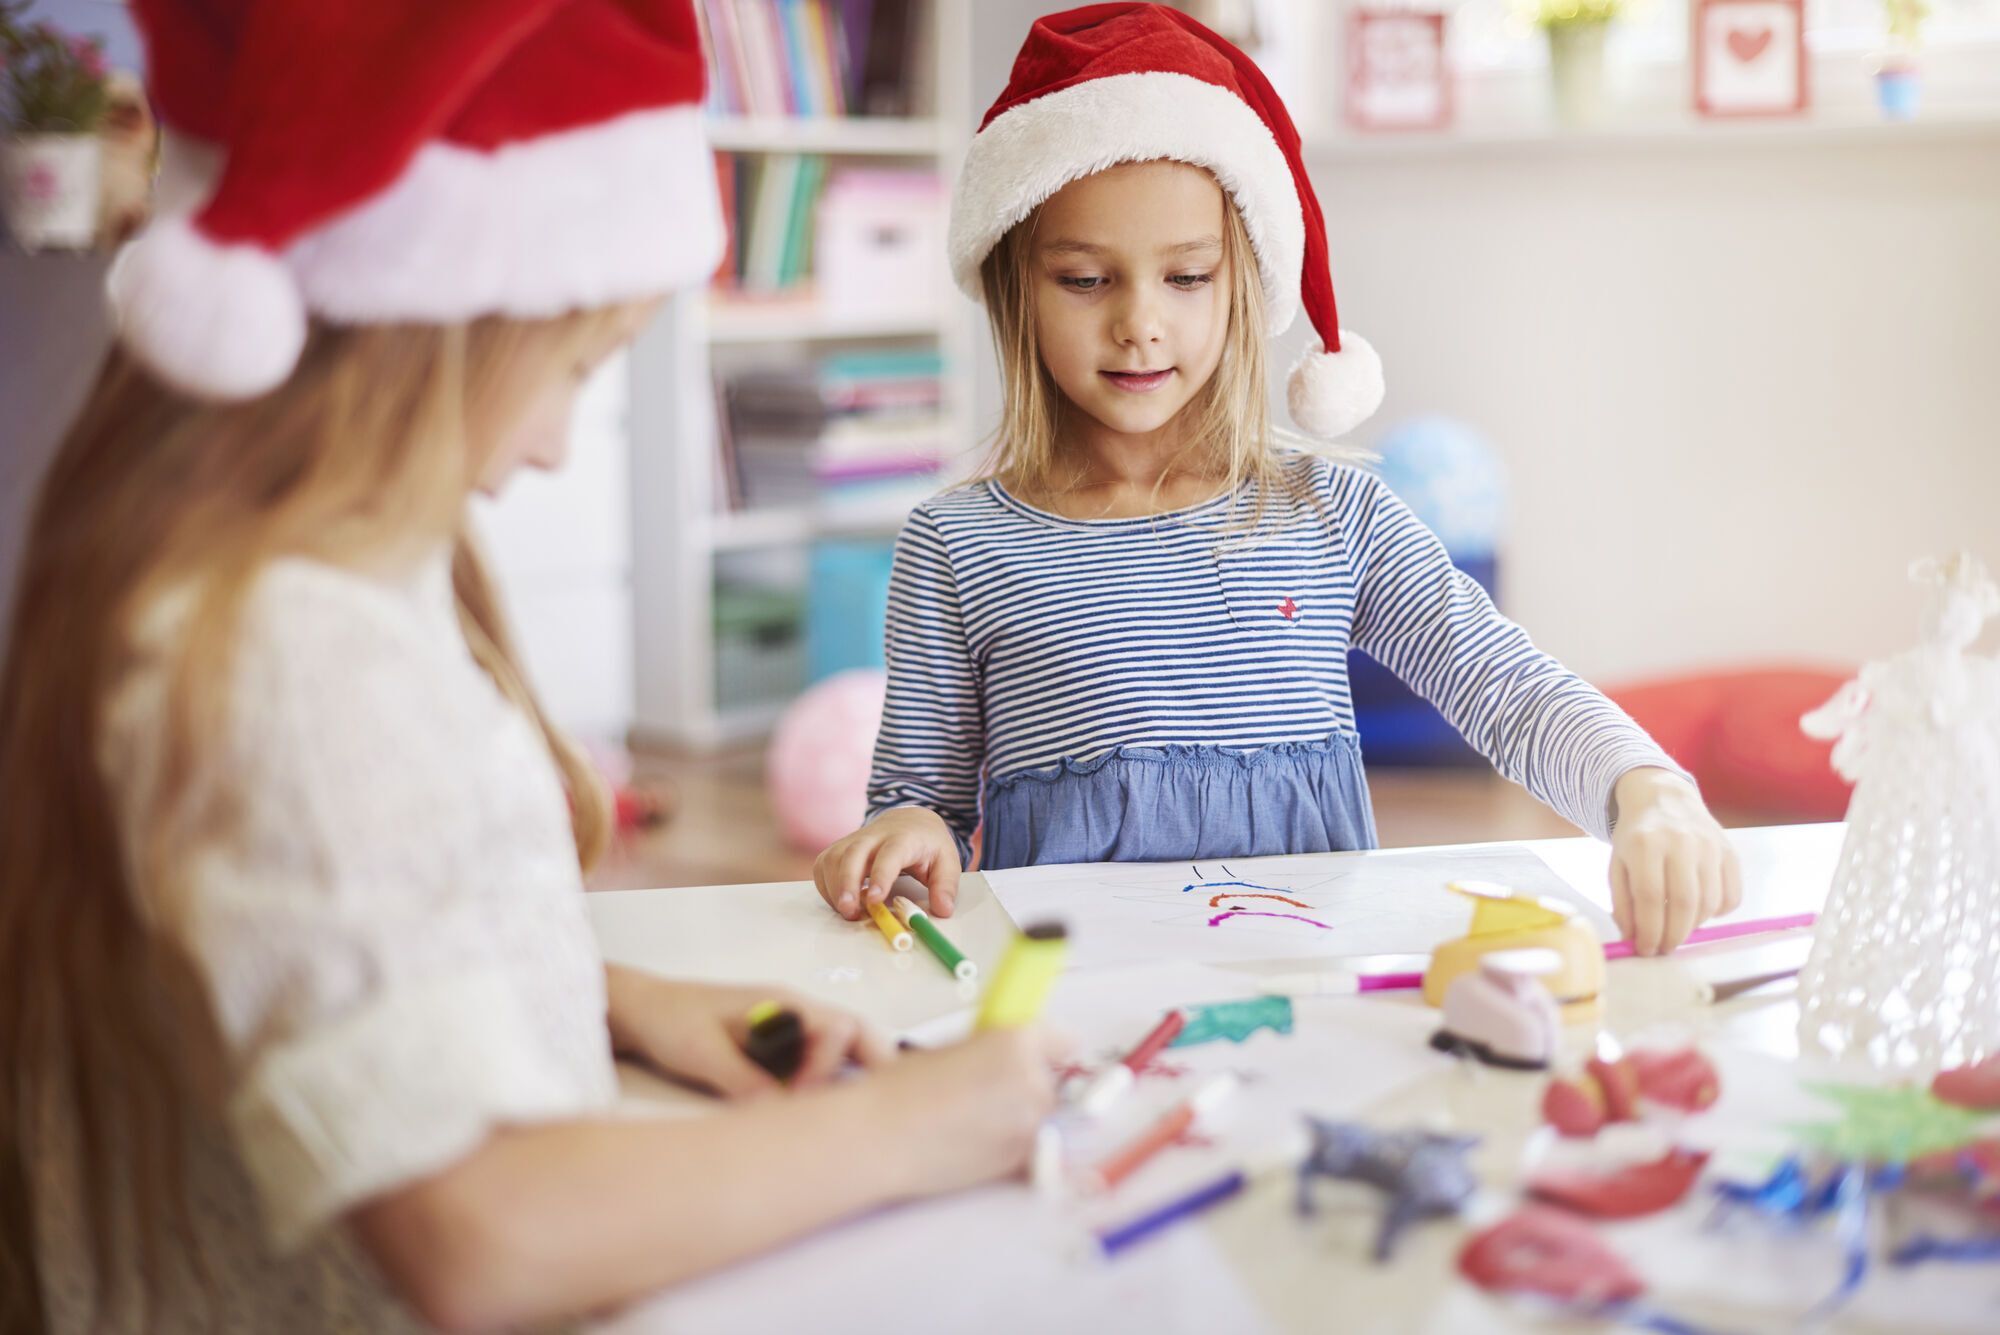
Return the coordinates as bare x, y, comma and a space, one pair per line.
898, 935
1027, 971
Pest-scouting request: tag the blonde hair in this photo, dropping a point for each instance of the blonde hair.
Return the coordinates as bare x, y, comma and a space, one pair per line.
364, 457
1226, 429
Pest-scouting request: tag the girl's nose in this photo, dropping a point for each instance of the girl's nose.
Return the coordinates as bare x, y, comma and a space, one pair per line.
1137, 322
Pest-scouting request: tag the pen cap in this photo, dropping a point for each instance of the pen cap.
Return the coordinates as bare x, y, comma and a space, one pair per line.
777, 1041
1021, 984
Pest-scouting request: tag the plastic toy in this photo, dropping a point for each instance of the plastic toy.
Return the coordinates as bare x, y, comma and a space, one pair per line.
1503, 1015
1425, 1176
1503, 919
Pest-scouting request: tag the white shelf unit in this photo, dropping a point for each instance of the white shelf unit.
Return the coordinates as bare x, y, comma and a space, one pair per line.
677, 534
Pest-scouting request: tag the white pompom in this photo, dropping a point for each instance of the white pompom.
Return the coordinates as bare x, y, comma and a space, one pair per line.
1332, 393
213, 321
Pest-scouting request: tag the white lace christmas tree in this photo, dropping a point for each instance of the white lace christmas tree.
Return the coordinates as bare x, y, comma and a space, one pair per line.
1904, 973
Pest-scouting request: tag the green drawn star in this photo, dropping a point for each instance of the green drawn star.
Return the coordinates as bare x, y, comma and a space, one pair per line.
1888, 1125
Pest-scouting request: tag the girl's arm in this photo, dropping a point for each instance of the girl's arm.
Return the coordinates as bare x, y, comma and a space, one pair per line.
923, 797
559, 1220
1539, 723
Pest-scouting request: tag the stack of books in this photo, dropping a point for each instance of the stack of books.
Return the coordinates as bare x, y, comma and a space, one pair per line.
810, 57
859, 432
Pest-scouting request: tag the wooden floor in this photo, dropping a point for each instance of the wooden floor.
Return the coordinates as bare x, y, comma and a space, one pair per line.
721, 829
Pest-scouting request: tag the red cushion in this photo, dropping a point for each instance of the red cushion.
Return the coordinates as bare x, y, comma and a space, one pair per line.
1738, 734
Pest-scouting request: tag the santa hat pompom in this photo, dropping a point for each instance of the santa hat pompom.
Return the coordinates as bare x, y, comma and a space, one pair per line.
1331, 393
216, 322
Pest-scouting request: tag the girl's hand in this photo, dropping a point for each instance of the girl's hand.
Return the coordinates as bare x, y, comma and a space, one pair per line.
695, 1032
862, 868
967, 1114
1672, 867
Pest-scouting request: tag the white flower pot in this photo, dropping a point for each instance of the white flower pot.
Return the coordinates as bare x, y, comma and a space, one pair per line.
48, 186
1576, 71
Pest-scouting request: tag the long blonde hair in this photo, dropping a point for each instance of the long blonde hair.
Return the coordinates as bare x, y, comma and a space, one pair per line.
1227, 432
365, 456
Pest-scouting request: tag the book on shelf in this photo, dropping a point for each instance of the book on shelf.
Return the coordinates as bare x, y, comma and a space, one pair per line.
813, 57
871, 238
854, 432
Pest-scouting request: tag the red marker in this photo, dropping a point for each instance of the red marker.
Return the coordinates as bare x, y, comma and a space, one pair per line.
1112, 1083
1161, 1134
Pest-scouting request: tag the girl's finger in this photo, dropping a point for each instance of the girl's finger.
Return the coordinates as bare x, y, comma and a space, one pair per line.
1621, 898
1681, 881
829, 1038
1649, 904
943, 883
872, 1047
715, 1060
850, 866
897, 854
1711, 885
1732, 882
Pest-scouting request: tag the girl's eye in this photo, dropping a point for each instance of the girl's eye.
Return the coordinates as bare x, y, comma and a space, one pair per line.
1089, 284
1187, 282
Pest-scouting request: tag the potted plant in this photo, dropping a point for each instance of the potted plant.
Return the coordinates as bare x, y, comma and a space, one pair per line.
1897, 82
52, 96
1576, 54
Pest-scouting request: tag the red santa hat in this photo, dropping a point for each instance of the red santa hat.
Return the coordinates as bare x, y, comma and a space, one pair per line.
383, 161
1105, 84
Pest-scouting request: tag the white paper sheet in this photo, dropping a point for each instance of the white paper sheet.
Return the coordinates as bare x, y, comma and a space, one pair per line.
1271, 908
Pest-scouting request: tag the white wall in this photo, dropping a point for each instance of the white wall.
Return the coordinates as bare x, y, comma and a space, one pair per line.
1737, 386
561, 548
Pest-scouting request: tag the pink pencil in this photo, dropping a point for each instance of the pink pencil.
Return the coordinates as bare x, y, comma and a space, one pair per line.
1333, 984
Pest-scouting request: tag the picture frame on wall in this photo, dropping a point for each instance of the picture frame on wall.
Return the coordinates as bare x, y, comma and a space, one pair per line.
1398, 74
1750, 58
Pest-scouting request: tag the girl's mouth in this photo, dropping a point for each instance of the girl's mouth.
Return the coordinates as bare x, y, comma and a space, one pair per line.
1138, 382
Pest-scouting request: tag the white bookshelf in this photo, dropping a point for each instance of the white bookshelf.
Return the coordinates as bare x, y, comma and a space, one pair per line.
677, 533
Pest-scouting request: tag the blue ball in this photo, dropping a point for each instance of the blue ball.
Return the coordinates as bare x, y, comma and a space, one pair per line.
1447, 473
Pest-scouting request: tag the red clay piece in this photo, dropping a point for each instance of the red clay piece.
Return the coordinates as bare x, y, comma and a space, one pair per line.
1684, 1079
1975, 1086
1574, 1107
1542, 1250
1621, 1193
1618, 1079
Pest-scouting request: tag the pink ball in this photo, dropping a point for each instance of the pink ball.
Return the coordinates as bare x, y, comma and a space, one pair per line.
820, 756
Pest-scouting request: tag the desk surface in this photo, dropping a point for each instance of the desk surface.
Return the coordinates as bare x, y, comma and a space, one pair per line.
1294, 1276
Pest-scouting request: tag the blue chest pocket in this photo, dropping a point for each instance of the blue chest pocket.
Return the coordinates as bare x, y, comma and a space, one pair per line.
1286, 586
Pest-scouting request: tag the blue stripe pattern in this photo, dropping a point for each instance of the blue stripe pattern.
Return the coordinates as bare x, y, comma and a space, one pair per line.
1018, 639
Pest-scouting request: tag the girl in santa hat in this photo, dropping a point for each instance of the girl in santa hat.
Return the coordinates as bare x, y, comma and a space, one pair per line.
1128, 641
303, 1025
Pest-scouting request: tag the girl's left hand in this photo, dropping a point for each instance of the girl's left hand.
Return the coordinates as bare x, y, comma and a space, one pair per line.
695, 1032
1672, 867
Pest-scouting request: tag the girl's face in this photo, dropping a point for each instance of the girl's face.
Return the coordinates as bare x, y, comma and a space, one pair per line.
1131, 291
539, 437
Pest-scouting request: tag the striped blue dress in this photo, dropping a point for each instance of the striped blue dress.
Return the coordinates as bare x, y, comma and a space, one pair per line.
1170, 688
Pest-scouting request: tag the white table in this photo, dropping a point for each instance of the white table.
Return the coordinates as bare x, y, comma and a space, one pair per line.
1297, 1276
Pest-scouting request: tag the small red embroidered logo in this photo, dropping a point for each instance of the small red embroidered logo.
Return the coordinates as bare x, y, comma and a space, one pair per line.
1289, 610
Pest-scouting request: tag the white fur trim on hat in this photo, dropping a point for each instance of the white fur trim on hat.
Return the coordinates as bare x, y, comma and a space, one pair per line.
590, 217
1332, 393
214, 322
1035, 149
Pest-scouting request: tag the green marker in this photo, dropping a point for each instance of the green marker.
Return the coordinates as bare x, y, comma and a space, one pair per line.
926, 931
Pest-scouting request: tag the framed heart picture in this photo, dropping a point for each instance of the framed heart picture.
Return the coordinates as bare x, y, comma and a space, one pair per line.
1397, 74
1750, 57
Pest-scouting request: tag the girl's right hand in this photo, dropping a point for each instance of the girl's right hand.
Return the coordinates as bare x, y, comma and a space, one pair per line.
862, 868
968, 1114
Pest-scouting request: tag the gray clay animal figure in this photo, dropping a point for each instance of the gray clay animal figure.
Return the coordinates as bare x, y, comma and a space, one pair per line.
1425, 1176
